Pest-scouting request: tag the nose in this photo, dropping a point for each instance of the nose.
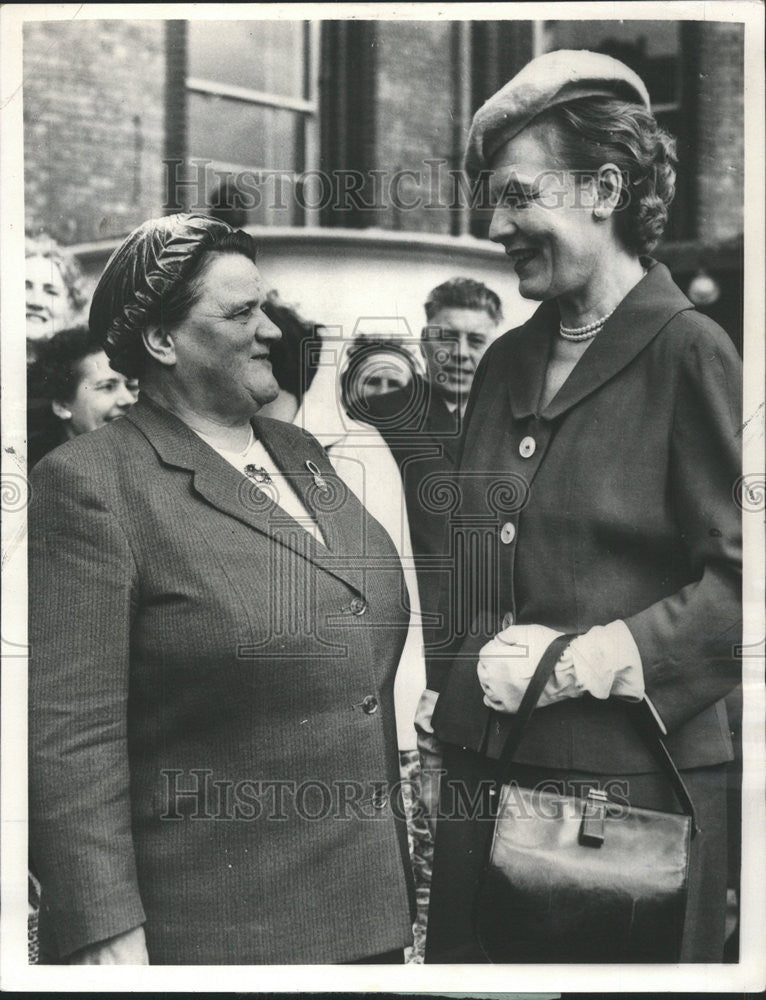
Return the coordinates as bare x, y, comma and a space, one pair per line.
266, 330
34, 302
125, 398
461, 354
502, 225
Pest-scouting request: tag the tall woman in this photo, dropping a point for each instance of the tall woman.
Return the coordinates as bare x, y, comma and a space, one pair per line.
216, 624
613, 415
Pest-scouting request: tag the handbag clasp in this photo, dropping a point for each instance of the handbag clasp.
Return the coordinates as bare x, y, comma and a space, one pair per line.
593, 813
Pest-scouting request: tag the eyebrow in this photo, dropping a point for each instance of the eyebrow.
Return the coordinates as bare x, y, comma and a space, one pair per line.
516, 185
246, 303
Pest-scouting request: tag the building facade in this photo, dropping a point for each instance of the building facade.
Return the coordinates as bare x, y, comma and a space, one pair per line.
346, 125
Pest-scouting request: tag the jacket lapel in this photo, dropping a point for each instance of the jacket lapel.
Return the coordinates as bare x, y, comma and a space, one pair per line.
222, 486
525, 358
644, 311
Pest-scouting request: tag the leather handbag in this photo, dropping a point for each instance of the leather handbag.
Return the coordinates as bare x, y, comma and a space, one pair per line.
571, 879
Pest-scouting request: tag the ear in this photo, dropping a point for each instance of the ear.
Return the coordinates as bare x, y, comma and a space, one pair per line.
160, 344
609, 185
60, 410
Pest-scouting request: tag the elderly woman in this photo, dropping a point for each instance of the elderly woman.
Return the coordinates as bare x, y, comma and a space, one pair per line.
612, 419
216, 623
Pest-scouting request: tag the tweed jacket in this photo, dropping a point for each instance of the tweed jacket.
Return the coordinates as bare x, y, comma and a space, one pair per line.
617, 500
212, 732
423, 435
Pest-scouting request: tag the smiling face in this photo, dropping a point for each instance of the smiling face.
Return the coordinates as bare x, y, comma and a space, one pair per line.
221, 349
47, 298
101, 396
453, 343
543, 217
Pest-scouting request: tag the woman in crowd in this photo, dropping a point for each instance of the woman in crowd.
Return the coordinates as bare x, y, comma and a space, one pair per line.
83, 392
217, 623
616, 412
55, 297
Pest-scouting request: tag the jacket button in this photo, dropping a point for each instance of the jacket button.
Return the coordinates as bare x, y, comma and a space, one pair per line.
527, 447
358, 606
507, 532
370, 704
380, 800
507, 620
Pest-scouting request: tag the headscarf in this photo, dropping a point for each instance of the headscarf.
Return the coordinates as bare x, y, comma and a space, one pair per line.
142, 273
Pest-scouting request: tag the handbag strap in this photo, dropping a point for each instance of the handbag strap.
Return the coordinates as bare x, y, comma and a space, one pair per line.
640, 714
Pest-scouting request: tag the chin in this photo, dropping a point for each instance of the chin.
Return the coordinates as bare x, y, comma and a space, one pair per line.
266, 394
528, 290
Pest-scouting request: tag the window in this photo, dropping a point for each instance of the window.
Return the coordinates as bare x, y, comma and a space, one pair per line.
252, 107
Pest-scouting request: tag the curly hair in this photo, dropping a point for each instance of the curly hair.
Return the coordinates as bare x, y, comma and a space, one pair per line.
591, 131
69, 268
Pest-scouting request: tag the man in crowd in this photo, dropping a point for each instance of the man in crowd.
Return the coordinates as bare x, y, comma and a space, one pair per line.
421, 421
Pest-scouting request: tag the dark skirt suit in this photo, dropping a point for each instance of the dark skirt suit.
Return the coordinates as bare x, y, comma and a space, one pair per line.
614, 502
212, 738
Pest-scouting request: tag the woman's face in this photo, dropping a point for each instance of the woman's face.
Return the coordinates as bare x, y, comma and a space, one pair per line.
543, 217
101, 396
47, 298
222, 346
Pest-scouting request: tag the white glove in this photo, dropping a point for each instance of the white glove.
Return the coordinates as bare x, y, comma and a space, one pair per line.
604, 661
507, 663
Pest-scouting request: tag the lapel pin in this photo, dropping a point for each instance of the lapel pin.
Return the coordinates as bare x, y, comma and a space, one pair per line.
319, 481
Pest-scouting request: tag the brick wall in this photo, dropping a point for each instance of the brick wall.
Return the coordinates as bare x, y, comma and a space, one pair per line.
721, 136
93, 126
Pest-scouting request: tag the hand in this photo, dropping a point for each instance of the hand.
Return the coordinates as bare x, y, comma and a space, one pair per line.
128, 948
507, 663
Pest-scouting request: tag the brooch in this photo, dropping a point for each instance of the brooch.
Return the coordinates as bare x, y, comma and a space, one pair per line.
258, 474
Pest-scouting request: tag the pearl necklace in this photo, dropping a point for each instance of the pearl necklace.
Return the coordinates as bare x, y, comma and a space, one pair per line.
579, 333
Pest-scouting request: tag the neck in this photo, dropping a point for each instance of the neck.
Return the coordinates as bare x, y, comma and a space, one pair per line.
229, 431
611, 281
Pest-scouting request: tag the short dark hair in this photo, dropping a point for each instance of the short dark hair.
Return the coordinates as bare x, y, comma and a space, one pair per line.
56, 374
463, 293
295, 356
592, 131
